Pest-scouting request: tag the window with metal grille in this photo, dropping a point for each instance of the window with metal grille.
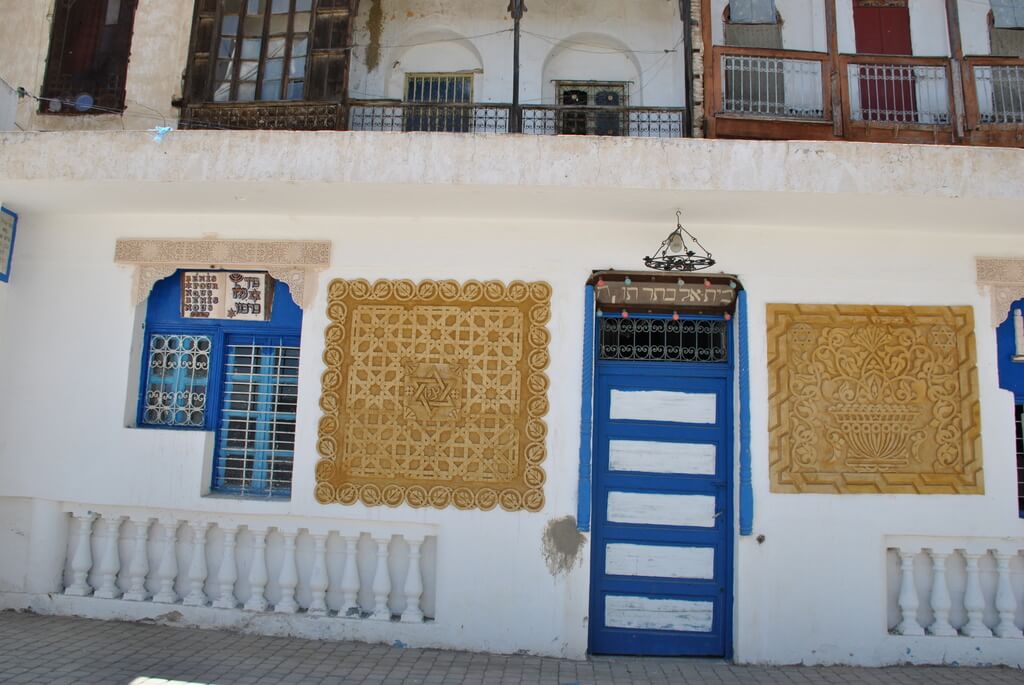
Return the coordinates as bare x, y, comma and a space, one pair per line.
591, 107
236, 379
1019, 423
88, 59
445, 99
256, 436
668, 340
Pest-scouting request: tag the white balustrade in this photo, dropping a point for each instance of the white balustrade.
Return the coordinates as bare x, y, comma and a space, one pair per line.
222, 547
974, 579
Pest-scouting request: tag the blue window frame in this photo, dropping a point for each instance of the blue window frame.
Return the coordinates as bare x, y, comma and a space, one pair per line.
1011, 377
238, 379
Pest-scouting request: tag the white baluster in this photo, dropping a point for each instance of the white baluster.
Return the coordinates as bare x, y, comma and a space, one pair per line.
289, 578
350, 578
228, 573
110, 562
197, 567
974, 600
908, 596
318, 579
81, 560
139, 566
940, 600
168, 569
1006, 603
381, 582
258, 572
413, 584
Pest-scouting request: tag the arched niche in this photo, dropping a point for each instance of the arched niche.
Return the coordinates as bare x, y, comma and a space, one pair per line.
434, 51
591, 57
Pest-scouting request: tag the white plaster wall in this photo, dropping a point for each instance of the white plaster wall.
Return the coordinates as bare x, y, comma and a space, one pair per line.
609, 40
159, 49
803, 24
815, 591
974, 36
8, 107
929, 34
845, 36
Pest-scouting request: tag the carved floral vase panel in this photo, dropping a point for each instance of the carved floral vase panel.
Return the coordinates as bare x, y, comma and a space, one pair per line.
435, 394
869, 399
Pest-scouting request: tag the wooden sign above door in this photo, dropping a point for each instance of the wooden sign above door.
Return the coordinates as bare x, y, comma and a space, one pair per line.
646, 292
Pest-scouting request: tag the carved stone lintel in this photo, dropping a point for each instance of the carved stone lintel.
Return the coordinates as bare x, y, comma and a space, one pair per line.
294, 262
1003, 280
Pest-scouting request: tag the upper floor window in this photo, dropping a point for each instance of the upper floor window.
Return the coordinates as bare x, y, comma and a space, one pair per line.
221, 354
589, 107
440, 100
268, 50
88, 61
1008, 14
751, 11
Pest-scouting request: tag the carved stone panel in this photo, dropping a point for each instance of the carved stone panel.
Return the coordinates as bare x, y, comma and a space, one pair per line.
434, 394
873, 400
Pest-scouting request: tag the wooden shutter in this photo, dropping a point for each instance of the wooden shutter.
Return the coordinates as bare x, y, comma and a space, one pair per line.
204, 29
332, 34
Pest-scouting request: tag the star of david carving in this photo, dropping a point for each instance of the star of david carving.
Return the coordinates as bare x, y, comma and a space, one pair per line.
433, 392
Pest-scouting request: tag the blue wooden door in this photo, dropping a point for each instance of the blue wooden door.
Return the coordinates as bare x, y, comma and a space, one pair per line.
661, 559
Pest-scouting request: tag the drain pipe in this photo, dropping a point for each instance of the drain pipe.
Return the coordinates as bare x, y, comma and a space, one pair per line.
685, 13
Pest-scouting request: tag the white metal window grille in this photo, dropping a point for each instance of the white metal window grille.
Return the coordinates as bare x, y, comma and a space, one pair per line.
899, 93
262, 50
752, 11
177, 380
441, 102
769, 86
256, 438
1000, 93
1019, 421
1008, 14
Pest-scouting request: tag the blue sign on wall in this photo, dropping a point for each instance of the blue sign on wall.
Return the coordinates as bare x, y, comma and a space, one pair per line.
8, 227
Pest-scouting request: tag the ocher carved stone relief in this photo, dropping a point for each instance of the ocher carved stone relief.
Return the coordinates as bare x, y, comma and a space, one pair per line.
434, 394
873, 400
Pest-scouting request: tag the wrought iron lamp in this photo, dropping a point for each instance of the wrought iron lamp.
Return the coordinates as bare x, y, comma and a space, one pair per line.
676, 255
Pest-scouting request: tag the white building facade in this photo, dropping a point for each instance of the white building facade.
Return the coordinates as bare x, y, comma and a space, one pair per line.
397, 374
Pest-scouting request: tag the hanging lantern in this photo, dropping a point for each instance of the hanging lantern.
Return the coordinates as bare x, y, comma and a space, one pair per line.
675, 254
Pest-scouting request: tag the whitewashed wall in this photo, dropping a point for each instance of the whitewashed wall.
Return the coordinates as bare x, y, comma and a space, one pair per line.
974, 33
8, 106
815, 590
610, 40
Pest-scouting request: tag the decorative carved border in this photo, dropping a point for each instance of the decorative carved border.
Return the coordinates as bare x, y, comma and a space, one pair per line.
294, 262
346, 303
1003, 278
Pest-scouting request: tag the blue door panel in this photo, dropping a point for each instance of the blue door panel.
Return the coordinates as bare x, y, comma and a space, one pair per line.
669, 594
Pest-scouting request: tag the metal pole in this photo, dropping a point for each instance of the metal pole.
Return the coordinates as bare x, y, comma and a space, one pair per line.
516, 7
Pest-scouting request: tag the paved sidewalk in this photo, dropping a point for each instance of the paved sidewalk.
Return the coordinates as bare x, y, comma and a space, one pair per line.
56, 650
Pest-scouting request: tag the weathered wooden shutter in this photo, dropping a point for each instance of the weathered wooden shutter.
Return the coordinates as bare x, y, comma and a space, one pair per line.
328, 70
197, 75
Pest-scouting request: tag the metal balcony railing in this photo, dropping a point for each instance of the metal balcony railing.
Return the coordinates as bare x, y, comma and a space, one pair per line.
763, 85
1000, 93
910, 91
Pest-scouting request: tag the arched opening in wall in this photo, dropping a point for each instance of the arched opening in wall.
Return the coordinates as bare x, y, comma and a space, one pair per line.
752, 24
432, 83
88, 61
1006, 28
592, 79
754, 83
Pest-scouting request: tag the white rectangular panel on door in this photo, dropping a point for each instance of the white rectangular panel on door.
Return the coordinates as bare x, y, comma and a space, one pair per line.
663, 405
659, 561
662, 457
645, 613
661, 510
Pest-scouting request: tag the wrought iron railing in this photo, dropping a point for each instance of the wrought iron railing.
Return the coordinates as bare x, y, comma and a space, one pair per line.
898, 91
772, 86
633, 122
287, 116
392, 115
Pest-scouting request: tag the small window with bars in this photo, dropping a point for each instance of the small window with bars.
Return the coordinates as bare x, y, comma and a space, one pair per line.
592, 108
438, 102
256, 435
177, 380
663, 340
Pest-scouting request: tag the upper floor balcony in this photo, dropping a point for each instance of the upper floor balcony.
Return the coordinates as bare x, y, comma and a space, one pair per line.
932, 71
860, 70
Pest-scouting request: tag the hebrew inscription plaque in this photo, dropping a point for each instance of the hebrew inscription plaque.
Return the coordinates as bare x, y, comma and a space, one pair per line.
873, 400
